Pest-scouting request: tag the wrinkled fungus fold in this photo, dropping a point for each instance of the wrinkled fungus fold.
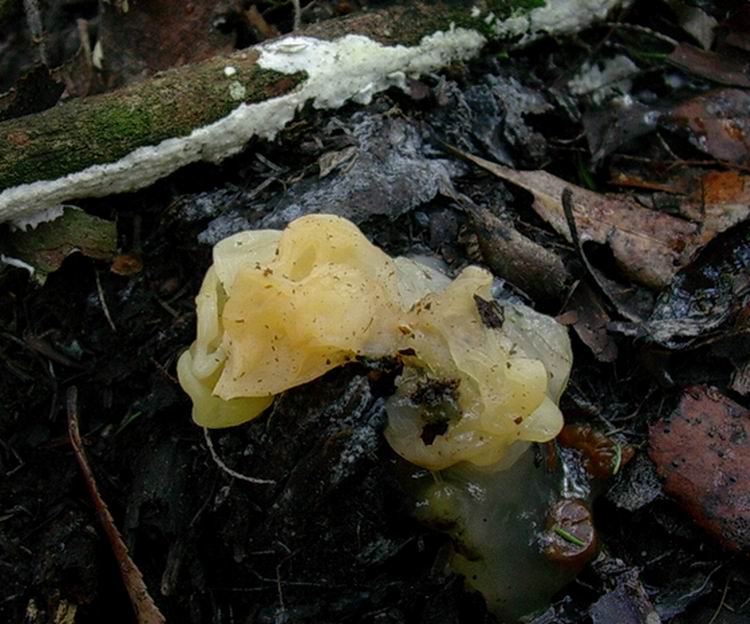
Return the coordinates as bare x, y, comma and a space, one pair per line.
280, 309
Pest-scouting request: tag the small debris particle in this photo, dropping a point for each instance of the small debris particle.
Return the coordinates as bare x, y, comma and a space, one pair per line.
492, 315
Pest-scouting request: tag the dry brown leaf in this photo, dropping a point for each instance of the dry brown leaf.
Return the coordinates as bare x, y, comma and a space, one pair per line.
713, 66
649, 246
585, 312
717, 123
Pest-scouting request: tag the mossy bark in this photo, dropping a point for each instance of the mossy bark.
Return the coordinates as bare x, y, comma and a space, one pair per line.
104, 128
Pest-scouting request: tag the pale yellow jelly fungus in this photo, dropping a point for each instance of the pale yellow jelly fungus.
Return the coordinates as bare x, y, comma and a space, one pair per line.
504, 394
279, 309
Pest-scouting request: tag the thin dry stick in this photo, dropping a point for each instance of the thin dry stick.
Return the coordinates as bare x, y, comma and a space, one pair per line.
721, 602
642, 29
297, 14
220, 463
36, 27
103, 301
145, 609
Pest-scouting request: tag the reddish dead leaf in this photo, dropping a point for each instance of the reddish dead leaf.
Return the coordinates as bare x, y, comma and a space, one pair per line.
140, 38
702, 451
145, 609
721, 200
715, 199
716, 123
712, 66
649, 246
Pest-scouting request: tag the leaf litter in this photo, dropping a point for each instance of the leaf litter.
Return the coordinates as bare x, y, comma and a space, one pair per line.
652, 281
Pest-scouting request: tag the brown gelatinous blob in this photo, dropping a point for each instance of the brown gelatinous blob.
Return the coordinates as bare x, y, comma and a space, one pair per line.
602, 456
570, 538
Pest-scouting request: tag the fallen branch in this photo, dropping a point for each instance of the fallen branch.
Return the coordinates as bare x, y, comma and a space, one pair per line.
127, 139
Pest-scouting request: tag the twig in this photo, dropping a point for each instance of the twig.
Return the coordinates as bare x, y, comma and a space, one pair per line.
606, 286
36, 28
297, 14
642, 29
163, 370
721, 602
103, 301
308, 6
232, 473
145, 609
15, 454
280, 592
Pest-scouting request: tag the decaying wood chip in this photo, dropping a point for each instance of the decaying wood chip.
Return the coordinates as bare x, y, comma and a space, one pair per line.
512, 256
145, 609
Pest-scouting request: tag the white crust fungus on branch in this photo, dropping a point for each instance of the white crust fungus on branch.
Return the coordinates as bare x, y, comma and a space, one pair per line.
352, 67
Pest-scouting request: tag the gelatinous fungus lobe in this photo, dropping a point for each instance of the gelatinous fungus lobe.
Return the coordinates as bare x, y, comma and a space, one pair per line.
279, 309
